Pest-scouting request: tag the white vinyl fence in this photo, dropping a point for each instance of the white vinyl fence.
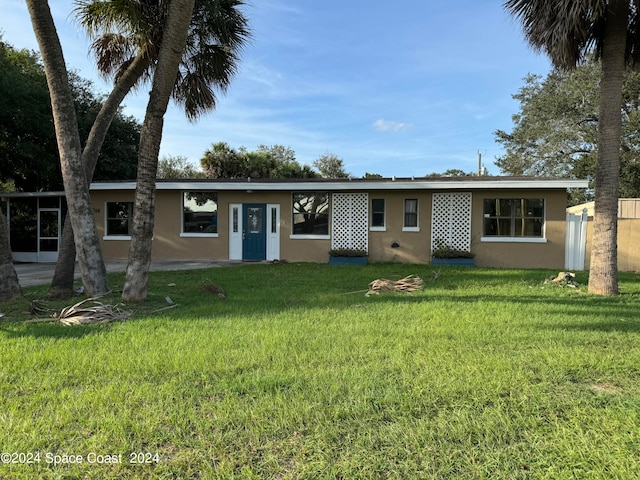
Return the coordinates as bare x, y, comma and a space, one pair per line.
575, 243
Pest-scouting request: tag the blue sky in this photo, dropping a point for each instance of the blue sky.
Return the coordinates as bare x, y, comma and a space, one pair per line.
400, 88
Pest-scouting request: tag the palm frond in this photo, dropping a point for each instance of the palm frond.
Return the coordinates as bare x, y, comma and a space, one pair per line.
120, 29
565, 30
83, 313
112, 50
99, 16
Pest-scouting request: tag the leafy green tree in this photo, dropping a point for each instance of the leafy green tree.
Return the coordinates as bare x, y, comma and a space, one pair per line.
118, 155
285, 164
28, 150
7, 186
283, 155
330, 166
223, 161
452, 172
177, 167
556, 129
27, 138
569, 32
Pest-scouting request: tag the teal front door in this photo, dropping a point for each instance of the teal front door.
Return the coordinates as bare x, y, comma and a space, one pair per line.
254, 237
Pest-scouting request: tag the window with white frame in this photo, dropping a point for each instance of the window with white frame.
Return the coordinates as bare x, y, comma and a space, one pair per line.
377, 214
410, 214
310, 213
199, 213
513, 217
119, 219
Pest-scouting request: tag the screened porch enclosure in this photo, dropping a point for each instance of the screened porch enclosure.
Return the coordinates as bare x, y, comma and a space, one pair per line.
35, 227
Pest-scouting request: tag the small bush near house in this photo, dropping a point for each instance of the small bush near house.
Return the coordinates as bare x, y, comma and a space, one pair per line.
348, 252
443, 250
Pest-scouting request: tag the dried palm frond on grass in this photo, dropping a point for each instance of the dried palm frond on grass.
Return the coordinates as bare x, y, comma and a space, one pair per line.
405, 285
38, 307
83, 313
564, 279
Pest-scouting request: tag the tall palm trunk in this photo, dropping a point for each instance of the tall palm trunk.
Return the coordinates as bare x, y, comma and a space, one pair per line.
94, 274
173, 43
603, 275
9, 285
62, 283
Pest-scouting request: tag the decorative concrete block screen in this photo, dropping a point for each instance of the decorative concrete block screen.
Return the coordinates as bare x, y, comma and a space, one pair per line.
350, 221
451, 220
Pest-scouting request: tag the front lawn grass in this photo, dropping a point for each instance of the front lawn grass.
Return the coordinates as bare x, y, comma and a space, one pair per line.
483, 374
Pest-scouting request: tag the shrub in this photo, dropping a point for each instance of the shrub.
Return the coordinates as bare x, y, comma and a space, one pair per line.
348, 252
443, 250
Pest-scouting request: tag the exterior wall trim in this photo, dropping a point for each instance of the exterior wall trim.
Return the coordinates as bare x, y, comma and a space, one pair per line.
513, 240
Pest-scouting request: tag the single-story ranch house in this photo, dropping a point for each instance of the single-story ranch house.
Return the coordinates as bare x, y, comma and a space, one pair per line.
504, 221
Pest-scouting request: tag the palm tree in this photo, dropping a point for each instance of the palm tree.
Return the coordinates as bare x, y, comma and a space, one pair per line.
9, 285
173, 44
62, 283
94, 274
126, 37
568, 31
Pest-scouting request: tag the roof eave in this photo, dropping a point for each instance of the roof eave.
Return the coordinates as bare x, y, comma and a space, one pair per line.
353, 185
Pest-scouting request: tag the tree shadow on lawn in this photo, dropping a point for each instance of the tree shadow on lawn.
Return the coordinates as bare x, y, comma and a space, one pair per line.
611, 314
51, 330
612, 325
263, 291
299, 291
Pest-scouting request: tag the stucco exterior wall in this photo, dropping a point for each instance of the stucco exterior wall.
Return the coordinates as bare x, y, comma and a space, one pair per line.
111, 249
412, 246
628, 242
509, 254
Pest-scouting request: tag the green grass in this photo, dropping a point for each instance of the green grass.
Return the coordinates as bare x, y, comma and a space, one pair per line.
483, 374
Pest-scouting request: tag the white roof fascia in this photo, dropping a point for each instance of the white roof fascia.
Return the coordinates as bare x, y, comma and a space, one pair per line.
30, 194
113, 186
352, 186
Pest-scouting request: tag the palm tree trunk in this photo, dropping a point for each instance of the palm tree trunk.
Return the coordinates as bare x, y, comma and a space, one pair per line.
94, 273
603, 275
9, 285
62, 283
173, 44
63, 276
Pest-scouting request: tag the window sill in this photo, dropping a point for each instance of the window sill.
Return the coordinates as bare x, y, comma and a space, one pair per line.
377, 229
309, 237
410, 229
116, 237
513, 240
199, 235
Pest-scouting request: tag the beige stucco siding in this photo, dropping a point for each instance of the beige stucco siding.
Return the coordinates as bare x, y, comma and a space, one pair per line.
508, 254
412, 246
628, 241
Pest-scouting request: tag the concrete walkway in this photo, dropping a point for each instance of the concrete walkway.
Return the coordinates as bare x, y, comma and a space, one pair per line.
30, 274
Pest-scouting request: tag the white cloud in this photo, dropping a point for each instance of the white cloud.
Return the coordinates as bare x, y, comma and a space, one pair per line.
390, 126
